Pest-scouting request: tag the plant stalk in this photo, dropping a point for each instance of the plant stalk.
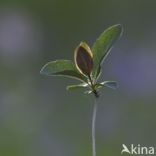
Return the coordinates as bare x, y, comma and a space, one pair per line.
93, 127
93, 87
96, 96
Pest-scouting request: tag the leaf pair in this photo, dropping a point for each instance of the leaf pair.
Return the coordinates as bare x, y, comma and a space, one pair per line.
87, 61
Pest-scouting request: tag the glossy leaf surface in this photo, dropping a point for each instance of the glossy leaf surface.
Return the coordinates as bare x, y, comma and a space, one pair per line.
102, 46
62, 68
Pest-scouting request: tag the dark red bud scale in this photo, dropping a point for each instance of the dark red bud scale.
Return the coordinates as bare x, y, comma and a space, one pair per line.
84, 59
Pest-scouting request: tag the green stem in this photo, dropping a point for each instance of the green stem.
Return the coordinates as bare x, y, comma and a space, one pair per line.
93, 127
91, 82
92, 87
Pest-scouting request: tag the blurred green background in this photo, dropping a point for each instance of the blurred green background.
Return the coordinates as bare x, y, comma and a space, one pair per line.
38, 117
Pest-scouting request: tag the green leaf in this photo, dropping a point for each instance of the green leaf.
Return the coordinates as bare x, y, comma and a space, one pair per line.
109, 84
84, 59
102, 46
62, 68
88, 92
79, 86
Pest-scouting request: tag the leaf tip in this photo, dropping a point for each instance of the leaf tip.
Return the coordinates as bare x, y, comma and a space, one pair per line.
68, 88
42, 71
120, 28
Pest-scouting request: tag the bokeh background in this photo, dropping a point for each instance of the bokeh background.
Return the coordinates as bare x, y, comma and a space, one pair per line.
38, 117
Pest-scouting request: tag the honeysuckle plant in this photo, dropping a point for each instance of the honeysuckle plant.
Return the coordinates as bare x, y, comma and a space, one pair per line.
87, 68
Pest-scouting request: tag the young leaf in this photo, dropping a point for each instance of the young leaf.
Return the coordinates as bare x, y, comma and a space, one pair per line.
62, 68
79, 86
109, 84
88, 92
103, 45
84, 59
